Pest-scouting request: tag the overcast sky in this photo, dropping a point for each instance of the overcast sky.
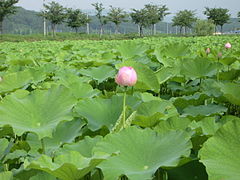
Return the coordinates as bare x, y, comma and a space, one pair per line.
173, 5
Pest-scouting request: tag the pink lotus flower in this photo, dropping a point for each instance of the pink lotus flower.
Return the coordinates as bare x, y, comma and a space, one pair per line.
126, 76
208, 51
228, 45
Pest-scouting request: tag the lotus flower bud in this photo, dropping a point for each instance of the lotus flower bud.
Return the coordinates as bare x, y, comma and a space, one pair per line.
228, 45
208, 51
126, 76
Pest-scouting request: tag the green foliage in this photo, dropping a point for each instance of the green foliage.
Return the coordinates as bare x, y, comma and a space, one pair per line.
219, 16
204, 27
159, 151
221, 150
6, 7
61, 113
99, 13
55, 13
117, 16
76, 18
185, 19
140, 17
155, 13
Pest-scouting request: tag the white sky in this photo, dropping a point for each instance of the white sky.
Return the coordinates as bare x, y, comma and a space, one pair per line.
173, 5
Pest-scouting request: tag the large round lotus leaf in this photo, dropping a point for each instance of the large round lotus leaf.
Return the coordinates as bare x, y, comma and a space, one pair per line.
14, 81
84, 147
100, 73
142, 152
69, 166
131, 49
146, 78
198, 68
231, 92
204, 110
220, 154
38, 112
100, 112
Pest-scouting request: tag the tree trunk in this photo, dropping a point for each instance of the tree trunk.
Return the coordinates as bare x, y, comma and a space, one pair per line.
76, 30
101, 31
1, 27
141, 31
215, 28
221, 29
53, 30
181, 29
117, 29
152, 29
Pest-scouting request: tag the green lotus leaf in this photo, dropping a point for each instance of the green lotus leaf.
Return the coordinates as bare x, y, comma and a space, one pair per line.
208, 125
142, 152
69, 166
42, 176
84, 146
173, 123
185, 101
152, 107
167, 55
100, 112
198, 68
147, 80
164, 74
131, 49
7, 175
229, 75
151, 112
204, 110
220, 154
83, 90
228, 60
65, 132
16, 80
100, 73
3, 144
231, 92
38, 112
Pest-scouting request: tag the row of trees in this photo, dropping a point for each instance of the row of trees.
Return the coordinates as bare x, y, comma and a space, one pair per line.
146, 17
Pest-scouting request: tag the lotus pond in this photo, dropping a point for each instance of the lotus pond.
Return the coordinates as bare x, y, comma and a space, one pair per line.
62, 114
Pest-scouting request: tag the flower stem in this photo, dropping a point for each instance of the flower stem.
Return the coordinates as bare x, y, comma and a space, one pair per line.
124, 109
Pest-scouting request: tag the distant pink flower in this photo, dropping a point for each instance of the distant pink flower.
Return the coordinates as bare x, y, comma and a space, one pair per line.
126, 76
208, 51
228, 45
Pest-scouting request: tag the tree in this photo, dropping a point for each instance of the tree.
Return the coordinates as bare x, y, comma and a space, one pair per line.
55, 13
239, 15
6, 8
140, 18
184, 19
76, 19
117, 16
99, 13
204, 27
155, 13
219, 16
